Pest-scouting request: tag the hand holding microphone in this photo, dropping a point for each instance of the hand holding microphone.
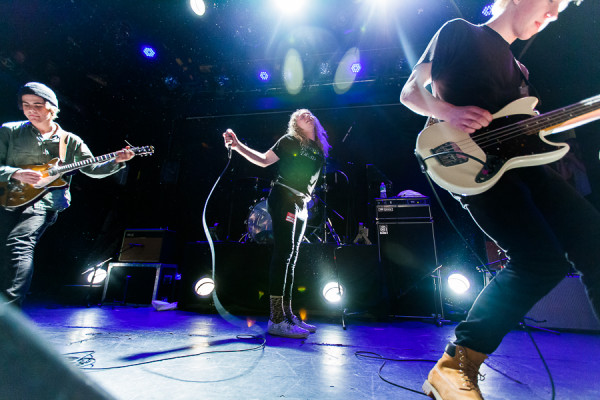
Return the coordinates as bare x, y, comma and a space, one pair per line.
231, 141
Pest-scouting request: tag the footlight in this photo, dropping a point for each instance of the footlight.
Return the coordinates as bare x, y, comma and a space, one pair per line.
96, 276
458, 283
204, 287
333, 292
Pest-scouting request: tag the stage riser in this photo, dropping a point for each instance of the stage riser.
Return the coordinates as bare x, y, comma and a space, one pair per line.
242, 279
242, 275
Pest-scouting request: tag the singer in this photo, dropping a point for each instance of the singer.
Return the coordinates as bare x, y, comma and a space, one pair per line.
301, 153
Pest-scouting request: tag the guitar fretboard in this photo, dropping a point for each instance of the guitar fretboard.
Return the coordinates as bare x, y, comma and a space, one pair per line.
80, 164
561, 115
61, 169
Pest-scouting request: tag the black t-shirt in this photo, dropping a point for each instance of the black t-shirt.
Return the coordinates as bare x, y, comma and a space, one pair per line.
472, 65
299, 164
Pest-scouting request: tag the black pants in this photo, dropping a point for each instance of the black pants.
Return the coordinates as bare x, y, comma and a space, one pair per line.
288, 214
539, 220
20, 230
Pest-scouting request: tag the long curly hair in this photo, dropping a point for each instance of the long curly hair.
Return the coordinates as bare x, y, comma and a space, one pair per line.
320, 133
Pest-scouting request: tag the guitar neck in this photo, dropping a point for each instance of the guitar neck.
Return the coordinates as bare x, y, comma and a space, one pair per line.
80, 164
578, 113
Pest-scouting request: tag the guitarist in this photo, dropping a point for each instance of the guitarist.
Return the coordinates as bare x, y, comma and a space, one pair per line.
531, 213
36, 141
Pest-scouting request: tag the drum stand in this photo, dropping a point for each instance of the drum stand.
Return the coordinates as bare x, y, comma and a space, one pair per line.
326, 223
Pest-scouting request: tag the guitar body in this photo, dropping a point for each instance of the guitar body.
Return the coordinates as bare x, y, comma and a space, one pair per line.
15, 193
439, 149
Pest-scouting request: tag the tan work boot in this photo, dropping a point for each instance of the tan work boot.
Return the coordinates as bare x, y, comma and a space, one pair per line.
455, 375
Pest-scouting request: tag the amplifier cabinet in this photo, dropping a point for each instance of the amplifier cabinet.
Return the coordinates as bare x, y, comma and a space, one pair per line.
566, 307
409, 208
140, 283
408, 256
148, 245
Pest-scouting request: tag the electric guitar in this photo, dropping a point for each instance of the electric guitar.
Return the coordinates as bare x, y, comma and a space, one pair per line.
470, 164
15, 193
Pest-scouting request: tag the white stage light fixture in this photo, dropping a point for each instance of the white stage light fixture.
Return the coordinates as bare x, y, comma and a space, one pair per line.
198, 7
290, 7
458, 283
97, 276
204, 287
333, 292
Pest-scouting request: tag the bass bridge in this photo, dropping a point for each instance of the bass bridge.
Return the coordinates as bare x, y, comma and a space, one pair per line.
449, 154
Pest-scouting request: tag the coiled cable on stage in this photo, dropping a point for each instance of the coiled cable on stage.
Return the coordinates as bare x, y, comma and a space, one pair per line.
226, 315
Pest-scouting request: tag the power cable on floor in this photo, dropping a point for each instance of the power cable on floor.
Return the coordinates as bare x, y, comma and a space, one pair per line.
369, 354
88, 358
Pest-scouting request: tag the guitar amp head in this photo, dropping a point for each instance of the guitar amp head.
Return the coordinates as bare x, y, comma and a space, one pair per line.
148, 245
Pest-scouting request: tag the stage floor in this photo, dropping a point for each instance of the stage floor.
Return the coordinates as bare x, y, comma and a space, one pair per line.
141, 353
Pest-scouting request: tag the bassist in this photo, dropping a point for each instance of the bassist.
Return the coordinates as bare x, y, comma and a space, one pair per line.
36, 141
531, 212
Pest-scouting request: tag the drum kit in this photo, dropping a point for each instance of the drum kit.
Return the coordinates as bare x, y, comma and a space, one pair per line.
259, 226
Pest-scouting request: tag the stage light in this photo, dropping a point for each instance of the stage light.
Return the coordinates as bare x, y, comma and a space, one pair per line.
198, 7
487, 10
293, 72
458, 283
204, 287
290, 7
324, 69
171, 82
149, 52
333, 292
355, 67
264, 76
97, 276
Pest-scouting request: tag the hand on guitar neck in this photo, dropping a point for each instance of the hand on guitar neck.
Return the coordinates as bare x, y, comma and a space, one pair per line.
124, 155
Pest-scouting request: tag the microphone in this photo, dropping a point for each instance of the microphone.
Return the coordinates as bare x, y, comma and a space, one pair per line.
229, 151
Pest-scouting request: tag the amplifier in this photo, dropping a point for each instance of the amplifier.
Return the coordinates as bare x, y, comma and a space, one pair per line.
148, 245
565, 307
412, 208
408, 256
139, 283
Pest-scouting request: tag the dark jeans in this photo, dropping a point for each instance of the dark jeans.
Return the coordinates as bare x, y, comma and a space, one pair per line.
20, 230
288, 214
539, 220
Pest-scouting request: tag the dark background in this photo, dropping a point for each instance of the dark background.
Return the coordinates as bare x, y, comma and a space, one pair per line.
203, 80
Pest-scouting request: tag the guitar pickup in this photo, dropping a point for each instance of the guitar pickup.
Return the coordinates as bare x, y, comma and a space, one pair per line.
448, 154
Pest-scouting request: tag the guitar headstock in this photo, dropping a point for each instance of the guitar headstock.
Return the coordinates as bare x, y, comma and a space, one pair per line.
143, 150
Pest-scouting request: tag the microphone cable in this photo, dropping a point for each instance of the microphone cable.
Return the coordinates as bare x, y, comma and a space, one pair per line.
226, 315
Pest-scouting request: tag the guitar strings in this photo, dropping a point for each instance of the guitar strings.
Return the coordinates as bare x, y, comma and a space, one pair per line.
145, 150
514, 130
548, 120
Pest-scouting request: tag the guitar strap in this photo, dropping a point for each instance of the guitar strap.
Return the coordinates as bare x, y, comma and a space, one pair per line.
62, 145
430, 121
526, 86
